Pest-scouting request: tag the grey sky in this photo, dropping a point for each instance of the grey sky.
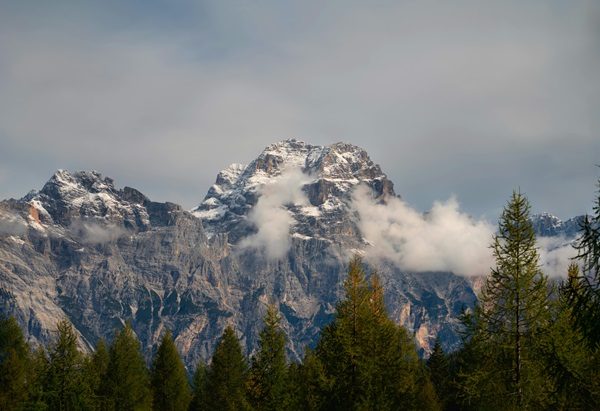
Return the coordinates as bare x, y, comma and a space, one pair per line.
465, 98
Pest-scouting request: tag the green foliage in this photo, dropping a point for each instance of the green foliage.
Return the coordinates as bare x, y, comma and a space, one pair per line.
14, 363
169, 382
37, 380
308, 383
227, 375
583, 290
371, 362
511, 317
126, 386
199, 388
571, 365
96, 367
267, 382
439, 371
65, 385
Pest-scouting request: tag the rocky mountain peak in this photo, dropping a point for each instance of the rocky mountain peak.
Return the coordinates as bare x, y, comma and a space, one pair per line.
548, 225
70, 198
327, 175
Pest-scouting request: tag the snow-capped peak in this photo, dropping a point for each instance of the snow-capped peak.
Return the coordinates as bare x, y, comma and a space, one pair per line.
68, 197
330, 175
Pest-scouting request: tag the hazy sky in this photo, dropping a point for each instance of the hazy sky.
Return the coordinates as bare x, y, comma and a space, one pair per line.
465, 98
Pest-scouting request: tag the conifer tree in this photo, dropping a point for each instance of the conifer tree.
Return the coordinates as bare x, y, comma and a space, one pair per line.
512, 312
571, 365
199, 388
127, 385
14, 363
227, 375
267, 379
36, 380
65, 386
371, 362
583, 290
169, 382
438, 367
309, 385
96, 369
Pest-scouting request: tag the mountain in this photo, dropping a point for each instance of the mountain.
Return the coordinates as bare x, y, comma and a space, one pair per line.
548, 225
277, 231
330, 174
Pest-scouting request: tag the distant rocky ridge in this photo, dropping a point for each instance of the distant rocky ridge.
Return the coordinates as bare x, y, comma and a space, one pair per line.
82, 249
547, 225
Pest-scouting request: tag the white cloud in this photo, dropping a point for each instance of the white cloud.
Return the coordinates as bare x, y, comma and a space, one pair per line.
556, 254
444, 239
12, 225
270, 215
92, 232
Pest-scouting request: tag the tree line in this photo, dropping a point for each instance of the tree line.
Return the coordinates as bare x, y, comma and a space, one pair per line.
529, 343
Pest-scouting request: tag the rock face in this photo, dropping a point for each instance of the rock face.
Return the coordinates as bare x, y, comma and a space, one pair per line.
547, 225
100, 256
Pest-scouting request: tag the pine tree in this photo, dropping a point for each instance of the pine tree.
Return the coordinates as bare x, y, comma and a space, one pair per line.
584, 289
267, 379
226, 379
512, 312
169, 382
36, 380
65, 386
438, 367
371, 362
571, 365
199, 388
308, 384
127, 385
14, 363
96, 370
339, 348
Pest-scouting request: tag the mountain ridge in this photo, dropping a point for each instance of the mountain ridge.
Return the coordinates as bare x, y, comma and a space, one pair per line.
82, 249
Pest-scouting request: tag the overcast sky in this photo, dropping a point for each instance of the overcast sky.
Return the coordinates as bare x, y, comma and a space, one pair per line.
465, 98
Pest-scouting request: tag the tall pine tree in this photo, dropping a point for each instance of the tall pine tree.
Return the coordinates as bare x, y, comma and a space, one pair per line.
169, 382
268, 373
584, 289
227, 375
308, 383
14, 363
199, 388
439, 371
512, 313
127, 384
96, 369
65, 385
571, 365
36, 380
371, 362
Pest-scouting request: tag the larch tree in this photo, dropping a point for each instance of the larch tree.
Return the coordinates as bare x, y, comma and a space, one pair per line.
127, 384
14, 363
268, 373
370, 361
227, 376
199, 393
438, 367
584, 289
572, 365
170, 386
65, 385
96, 369
512, 311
